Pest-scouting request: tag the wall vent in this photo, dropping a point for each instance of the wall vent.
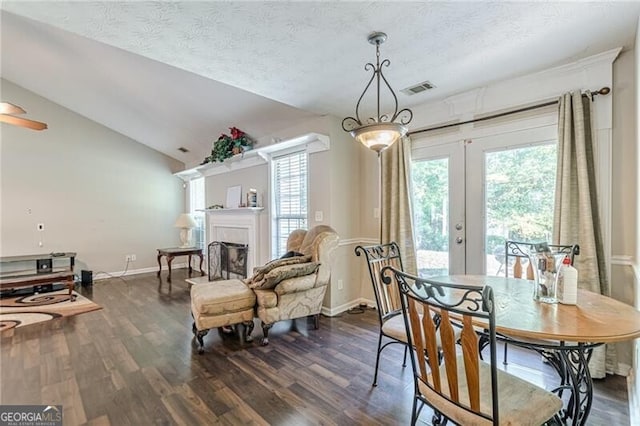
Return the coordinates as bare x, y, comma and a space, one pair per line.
420, 87
183, 149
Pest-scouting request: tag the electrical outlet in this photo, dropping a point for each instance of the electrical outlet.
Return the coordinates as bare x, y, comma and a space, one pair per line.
133, 257
127, 258
40, 227
340, 285
319, 216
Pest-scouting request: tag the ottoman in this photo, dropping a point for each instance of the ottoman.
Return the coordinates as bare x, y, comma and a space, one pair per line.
221, 303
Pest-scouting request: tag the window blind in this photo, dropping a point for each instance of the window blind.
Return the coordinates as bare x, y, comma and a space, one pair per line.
290, 176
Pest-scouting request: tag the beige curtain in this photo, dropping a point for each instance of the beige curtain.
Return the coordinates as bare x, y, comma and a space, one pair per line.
395, 203
576, 217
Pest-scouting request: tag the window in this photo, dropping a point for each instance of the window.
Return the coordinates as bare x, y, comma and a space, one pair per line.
289, 201
196, 202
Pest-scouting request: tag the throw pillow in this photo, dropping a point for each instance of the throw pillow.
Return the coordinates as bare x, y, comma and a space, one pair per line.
291, 254
273, 277
259, 272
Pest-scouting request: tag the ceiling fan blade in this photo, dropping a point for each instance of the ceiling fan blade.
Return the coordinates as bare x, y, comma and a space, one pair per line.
23, 122
9, 108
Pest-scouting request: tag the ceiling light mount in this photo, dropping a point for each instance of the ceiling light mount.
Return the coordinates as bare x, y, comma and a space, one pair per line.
377, 38
380, 132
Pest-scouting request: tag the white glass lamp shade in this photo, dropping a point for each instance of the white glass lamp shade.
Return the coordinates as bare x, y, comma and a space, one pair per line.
380, 136
186, 222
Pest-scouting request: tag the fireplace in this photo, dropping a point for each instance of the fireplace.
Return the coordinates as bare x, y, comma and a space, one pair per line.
238, 226
227, 260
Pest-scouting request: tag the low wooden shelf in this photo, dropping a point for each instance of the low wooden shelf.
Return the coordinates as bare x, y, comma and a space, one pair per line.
32, 277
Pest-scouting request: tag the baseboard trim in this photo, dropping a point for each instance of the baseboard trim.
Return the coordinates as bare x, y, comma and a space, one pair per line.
346, 306
117, 274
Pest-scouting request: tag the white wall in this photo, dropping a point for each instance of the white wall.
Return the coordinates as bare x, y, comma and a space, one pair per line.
634, 380
98, 192
624, 202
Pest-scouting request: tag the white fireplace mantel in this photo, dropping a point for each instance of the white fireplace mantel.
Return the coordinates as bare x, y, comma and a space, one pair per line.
241, 225
241, 211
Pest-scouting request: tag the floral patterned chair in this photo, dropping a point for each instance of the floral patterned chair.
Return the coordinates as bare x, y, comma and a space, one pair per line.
294, 287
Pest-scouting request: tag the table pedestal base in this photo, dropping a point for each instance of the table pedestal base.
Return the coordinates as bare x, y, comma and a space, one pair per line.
571, 362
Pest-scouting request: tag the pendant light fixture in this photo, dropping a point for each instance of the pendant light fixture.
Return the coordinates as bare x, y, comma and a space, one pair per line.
8, 112
382, 131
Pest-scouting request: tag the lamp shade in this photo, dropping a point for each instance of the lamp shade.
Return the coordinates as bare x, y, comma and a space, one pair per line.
379, 136
379, 132
185, 220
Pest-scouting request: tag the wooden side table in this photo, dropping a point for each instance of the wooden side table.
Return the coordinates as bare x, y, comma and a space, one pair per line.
171, 253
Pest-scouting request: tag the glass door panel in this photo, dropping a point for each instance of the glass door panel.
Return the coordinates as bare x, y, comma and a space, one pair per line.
438, 203
510, 187
519, 199
431, 216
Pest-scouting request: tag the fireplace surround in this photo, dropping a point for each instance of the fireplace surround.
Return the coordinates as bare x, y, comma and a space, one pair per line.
227, 260
238, 226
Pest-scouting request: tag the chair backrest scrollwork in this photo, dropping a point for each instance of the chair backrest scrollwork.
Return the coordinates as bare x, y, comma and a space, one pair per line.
516, 257
377, 257
457, 379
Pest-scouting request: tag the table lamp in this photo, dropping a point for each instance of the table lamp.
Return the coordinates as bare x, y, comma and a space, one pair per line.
186, 223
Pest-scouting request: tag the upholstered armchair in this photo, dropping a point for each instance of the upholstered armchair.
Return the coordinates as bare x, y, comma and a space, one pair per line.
298, 294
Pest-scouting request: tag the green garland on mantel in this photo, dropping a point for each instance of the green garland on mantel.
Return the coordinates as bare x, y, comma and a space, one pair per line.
227, 146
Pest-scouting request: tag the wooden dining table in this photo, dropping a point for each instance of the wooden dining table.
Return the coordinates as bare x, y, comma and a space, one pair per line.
564, 335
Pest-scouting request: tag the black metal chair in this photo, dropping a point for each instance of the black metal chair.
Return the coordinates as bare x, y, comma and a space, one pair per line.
463, 388
517, 251
387, 297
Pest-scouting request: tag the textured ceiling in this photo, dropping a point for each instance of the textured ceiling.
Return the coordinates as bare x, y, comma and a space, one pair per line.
308, 55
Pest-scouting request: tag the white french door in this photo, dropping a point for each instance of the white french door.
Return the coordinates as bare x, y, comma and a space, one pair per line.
469, 196
438, 200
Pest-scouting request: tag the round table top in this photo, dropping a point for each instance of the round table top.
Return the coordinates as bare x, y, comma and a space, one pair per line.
595, 318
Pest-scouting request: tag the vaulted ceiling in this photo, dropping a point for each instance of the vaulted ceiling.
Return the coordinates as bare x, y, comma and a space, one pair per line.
171, 74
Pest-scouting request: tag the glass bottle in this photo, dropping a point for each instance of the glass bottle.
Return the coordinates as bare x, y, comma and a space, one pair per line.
544, 273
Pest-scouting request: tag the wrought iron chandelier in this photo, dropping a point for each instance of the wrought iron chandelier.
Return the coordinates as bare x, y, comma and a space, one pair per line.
381, 132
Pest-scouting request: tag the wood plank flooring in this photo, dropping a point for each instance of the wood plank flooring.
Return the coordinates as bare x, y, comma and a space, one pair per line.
134, 363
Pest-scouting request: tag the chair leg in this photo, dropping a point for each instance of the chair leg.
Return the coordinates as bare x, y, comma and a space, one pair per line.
199, 334
483, 342
316, 321
265, 334
375, 375
248, 329
504, 359
406, 350
414, 412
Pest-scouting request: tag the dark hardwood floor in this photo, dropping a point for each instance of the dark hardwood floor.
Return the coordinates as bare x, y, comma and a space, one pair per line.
134, 363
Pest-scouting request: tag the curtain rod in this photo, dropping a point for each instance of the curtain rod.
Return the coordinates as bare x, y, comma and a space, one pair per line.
603, 91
